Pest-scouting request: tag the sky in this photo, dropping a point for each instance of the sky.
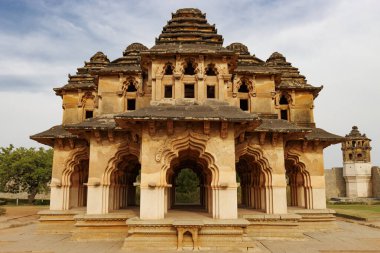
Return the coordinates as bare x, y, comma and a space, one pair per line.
334, 43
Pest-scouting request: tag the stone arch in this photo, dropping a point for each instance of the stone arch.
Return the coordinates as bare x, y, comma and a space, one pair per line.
211, 70
115, 197
73, 163
85, 97
258, 186
124, 150
245, 81
190, 141
130, 82
168, 69
189, 65
299, 180
286, 95
74, 160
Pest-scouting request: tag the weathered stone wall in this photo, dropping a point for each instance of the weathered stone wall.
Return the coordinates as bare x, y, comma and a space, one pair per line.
376, 181
335, 184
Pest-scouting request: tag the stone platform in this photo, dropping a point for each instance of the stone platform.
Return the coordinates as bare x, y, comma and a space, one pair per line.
184, 229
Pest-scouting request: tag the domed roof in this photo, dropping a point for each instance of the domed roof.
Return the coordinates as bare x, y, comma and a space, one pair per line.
276, 57
134, 48
99, 57
355, 134
189, 25
239, 48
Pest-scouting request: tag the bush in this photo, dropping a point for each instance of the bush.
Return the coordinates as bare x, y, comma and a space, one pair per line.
2, 211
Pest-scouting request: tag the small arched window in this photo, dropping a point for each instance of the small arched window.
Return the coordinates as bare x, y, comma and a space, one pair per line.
243, 87
169, 69
283, 100
210, 71
189, 69
131, 87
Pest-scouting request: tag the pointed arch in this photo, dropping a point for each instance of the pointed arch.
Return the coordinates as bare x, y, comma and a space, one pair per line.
125, 149
188, 141
261, 182
244, 81
72, 163
168, 69
299, 180
74, 160
130, 85
284, 96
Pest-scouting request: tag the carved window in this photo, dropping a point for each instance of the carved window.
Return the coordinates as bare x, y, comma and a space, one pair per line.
244, 104
353, 143
211, 71
210, 91
131, 104
89, 114
189, 69
169, 69
168, 91
350, 156
131, 87
243, 88
189, 91
283, 100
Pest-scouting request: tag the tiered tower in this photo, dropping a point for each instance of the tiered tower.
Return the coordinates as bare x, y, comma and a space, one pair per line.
357, 164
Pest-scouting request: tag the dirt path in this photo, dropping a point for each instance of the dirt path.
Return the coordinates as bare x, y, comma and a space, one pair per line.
16, 216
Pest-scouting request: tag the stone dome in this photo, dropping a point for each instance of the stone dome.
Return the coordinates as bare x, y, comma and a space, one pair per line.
99, 57
276, 57
134, 48
238, 48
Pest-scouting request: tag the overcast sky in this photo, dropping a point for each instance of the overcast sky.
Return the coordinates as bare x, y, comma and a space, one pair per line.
334, 43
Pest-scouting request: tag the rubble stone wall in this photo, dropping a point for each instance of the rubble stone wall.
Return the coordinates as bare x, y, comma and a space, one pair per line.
335, 184
376, 181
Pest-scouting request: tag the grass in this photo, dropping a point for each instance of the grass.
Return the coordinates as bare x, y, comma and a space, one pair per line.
367, 212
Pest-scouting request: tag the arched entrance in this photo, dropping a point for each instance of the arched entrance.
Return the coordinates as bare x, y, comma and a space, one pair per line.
254, 182
74, 180
298, 183
190, 179
78, 187
124, 179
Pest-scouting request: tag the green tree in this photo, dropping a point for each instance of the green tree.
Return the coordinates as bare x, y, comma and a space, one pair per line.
25, 170
187, 187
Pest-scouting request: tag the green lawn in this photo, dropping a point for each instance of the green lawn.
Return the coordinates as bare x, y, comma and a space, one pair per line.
361, 211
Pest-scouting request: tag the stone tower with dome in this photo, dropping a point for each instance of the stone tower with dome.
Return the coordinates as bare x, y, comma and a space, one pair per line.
357, 164
244, 126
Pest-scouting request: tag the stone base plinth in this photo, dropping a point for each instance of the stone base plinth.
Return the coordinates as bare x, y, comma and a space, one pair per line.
274, 226
316, 219
100, 227
59, 222
203, 235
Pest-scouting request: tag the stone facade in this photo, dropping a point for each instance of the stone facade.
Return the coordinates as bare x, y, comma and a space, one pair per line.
132, 124
335, 183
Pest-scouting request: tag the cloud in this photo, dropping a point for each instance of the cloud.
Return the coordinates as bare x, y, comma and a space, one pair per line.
334, 43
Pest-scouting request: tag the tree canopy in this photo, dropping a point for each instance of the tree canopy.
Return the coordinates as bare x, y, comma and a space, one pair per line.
25, 170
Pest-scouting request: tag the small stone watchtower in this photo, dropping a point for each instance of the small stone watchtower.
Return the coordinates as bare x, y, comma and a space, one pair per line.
357, 164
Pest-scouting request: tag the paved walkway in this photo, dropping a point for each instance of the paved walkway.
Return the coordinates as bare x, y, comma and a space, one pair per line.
22, 238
